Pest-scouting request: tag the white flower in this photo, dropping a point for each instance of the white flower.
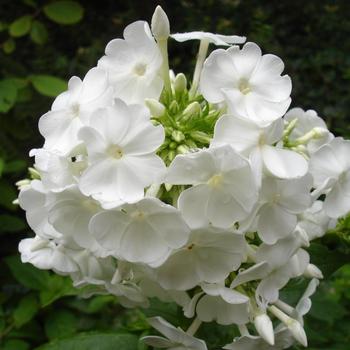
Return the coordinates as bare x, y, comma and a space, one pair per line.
70, 215
314, 221
216, 39
209, 256
281, 201
71, 110
144, 232
268, 289
275, 265
57, 171
223, 305
330, 167
304, 303
224, 188
91, 269
133, 64
46, 255
37, 201
121, 143
250, 83
283, 340
176, 338
307, 121
257, 143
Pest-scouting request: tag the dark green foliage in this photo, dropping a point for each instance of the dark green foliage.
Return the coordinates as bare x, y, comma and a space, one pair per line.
44, 42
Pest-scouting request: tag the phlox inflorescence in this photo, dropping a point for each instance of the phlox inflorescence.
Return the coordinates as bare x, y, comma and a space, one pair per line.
204, 196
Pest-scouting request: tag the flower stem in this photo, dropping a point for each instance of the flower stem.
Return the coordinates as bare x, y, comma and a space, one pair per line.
163, 46
202, 54
193, 328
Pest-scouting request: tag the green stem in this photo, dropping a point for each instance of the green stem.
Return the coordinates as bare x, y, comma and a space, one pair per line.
202, 54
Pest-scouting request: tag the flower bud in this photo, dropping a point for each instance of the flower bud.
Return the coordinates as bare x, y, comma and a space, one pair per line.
312, 271
264, 327
160, 24
320, 132
155, 107
180, 83
192, 109
34, 173
174, 107
177, 136
297, 331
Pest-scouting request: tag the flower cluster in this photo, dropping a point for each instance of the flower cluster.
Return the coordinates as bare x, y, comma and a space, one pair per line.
205, 196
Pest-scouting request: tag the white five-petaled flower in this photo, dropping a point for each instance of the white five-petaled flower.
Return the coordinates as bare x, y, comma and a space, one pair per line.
70, 215
133, 64
176, 338
37, 201
72, 109
281, 201
144, 232
224, 189
121, 142
330, 167
221, 304
209, 256
249, 82
257, 143
308, 121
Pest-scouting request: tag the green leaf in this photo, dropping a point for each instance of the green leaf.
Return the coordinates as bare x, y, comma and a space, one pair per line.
26, 310
64, 12
39, 33
56, 288
59, 324
26, 274
48, 85
16, 344
8, 95
327, 260
2, 166
94, 341
15, 166
8, 195
11, 223
20, 26
9, 46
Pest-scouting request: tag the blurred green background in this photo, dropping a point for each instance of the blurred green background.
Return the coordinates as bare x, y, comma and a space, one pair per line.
44, 43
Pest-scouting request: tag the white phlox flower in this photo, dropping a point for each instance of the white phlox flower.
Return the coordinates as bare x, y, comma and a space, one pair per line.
224, 189
71, 214
72, 109
258, 143
221, 304
144, 232
283, 340
121, 143
309, 128
330, 167
249, 82
209, 256
176, 338
281, 201
57, 171
314, 221
133, 64
47, 255
37, 201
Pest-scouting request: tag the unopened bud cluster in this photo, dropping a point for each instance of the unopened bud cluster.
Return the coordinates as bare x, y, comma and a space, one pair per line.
202, 192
